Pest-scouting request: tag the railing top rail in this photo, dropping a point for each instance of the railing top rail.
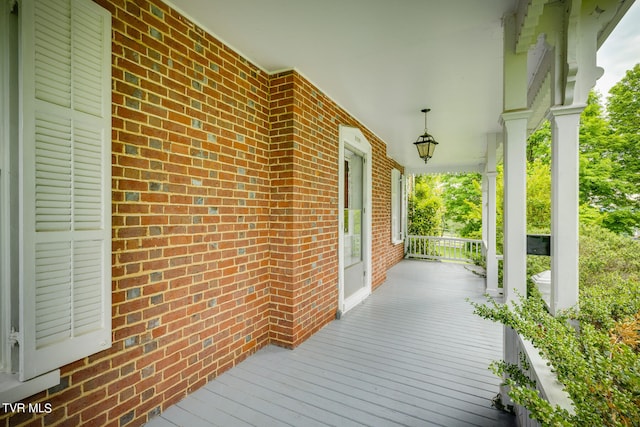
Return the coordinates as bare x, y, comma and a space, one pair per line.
458, 239
546, 379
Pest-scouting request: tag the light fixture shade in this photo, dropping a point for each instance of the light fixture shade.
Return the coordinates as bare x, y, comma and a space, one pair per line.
426, 145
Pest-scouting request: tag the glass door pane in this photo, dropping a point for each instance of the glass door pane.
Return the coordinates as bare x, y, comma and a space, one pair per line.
353, 223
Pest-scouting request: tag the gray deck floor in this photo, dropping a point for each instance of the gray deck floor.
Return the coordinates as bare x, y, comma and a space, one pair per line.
413, 354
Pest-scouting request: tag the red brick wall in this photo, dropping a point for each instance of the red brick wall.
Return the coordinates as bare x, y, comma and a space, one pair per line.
305, 196
225, 207
304, 138
384, 253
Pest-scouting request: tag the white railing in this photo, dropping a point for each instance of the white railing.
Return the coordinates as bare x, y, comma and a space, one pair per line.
444, 248
546, 382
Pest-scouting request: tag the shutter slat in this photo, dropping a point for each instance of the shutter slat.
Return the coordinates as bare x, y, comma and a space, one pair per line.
88, 176
53, 52
53, 174
87, 31
53, 291
87, 297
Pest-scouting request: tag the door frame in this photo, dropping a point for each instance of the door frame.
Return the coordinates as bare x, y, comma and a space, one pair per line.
352, 138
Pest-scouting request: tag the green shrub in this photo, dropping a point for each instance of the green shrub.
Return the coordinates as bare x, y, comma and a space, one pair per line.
595, 350
425, 207
607, 258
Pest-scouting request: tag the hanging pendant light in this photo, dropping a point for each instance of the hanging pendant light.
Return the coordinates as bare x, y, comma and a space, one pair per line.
426, 144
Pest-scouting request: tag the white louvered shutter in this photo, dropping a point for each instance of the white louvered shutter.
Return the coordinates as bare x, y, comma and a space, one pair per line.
403, 207
395, 205
65, 153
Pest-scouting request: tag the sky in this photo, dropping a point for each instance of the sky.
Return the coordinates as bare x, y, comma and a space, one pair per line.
621, 51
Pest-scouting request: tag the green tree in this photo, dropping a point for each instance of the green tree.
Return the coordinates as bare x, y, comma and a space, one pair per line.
463, 204
606, 186
463, 193
539, 145
425, 206
623, 107
624, 114
500, 210
602, 188
538, 197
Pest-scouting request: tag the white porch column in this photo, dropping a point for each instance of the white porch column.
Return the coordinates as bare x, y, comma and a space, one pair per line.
492, 260
489, 215
515, 224
515, 204
565, 123
485, 205
514, 119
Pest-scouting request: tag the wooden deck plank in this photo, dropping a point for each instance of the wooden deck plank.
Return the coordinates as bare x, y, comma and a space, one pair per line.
429, 329
456, 367
409, 340
402, 381
386, 410
322, 389
299, 399
215, 411
179, 416
425, 330
427, 407
399, 368
219, 403
229, 387
382, 380
411, 354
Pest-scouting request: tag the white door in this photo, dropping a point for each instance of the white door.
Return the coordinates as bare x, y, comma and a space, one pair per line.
355, 219
354, 269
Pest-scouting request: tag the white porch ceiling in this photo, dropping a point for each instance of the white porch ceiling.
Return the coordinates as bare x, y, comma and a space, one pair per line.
382, 61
